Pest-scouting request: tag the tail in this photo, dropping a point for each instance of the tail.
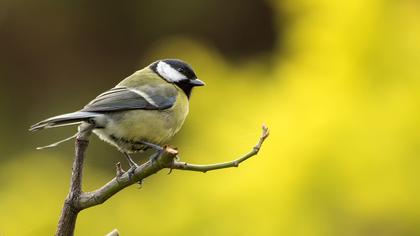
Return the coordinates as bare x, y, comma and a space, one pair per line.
64, 120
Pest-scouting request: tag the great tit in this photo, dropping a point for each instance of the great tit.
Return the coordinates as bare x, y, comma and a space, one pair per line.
144, 110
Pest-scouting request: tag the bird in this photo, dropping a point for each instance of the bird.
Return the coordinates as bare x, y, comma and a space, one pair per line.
144, 110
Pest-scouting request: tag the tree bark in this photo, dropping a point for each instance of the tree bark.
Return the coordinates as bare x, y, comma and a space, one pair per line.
67, 222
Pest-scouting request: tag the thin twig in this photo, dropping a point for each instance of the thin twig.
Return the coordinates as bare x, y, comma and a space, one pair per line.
235, 163
119, 170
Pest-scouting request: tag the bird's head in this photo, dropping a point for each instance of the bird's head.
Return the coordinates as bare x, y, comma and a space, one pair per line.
177, 72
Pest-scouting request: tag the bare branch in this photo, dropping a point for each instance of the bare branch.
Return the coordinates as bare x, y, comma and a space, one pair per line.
69, 212
78, 200
118, 183
235, 163
165, 160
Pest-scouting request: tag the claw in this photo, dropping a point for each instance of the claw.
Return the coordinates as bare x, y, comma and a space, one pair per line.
131, 171
153, 159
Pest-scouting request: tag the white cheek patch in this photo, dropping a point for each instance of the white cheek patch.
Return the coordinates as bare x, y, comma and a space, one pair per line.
169, 73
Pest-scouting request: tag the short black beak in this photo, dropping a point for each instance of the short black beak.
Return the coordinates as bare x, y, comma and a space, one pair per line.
196, 82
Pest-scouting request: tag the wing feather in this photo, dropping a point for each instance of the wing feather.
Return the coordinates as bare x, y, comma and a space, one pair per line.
123, 98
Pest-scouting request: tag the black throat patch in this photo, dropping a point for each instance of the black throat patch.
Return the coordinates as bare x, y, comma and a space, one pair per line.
186, 87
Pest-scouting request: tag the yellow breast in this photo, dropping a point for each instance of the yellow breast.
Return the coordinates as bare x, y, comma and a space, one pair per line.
155, 126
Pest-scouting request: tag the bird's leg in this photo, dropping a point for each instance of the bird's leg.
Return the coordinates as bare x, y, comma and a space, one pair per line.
152, 145
153, 158
159, 150
131, 163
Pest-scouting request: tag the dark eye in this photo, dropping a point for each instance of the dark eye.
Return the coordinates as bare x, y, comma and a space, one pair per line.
181, 70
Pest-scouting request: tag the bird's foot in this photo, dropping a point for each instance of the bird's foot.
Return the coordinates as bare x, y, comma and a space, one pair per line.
159, 150
154, 158
132, 170
132, 164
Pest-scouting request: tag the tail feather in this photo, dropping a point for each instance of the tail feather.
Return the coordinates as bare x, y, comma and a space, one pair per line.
57, 143
64, 120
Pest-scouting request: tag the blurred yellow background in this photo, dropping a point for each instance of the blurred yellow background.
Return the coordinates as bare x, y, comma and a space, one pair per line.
337, 82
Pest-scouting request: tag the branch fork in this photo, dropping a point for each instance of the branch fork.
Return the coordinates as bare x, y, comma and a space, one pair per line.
77, 200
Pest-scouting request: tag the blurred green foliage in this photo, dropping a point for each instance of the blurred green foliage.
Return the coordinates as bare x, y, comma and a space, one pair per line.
340, 92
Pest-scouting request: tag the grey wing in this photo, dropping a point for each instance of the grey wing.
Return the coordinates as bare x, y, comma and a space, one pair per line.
123, 98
